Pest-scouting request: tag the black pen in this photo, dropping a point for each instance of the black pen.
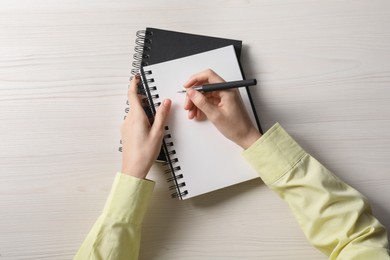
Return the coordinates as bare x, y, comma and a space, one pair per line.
223, 85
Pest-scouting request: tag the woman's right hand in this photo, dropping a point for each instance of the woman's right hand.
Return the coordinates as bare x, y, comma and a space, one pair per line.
224, 109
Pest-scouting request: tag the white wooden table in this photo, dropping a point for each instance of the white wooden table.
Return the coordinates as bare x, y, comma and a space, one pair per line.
324, 72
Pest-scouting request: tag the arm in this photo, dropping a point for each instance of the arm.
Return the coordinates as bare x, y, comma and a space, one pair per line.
116, 233
334, 217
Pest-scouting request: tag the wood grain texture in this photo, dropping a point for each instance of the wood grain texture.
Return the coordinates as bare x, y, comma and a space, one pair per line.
324, 72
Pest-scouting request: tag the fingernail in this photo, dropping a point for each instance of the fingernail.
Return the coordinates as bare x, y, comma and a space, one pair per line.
166, 102
137, 76
190, 92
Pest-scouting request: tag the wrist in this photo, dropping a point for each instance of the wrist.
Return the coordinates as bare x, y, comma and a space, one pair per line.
249, 139
134, 170
139, 175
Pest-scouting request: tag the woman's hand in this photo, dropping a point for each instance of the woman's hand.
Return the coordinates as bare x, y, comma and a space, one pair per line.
224, 109
141, 140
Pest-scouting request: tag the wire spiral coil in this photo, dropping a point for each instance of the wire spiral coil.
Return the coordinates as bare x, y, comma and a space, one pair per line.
142, 49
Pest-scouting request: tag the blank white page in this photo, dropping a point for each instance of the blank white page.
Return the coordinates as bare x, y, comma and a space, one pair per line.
207, 159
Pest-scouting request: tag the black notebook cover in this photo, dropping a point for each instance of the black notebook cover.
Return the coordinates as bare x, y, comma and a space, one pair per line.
157, 45
168, 45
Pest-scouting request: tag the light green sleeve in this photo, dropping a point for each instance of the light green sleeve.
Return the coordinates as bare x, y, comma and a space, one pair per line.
116, 233
335, 218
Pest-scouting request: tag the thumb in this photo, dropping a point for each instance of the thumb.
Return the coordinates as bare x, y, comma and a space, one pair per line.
161, 116
200, 101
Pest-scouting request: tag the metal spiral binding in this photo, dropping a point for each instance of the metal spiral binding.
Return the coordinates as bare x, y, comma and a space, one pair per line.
142, 49
168, 146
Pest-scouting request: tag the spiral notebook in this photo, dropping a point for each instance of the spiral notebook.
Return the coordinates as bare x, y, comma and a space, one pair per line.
154, 45
198, 157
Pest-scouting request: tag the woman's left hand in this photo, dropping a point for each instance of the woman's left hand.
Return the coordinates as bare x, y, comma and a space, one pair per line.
141, 140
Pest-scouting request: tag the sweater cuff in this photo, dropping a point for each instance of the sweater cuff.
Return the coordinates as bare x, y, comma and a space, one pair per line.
128, 199
273, 154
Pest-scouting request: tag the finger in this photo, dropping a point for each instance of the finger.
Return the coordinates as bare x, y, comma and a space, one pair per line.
192, 113
206, 76
132, 95
193, 81
200, 116
202, 77
188, 105
198, 78
161, 116
200, 102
